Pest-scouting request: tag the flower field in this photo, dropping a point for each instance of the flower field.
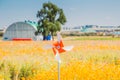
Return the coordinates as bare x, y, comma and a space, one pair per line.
88, 60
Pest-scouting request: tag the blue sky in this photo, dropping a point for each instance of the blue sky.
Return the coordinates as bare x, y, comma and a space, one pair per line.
78, 12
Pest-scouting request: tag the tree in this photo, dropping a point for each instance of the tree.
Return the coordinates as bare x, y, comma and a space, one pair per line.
50, 19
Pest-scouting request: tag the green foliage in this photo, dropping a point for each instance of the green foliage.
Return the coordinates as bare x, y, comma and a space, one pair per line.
25, 71
5, 70
14, 71
50, 19
116, 61
1, 33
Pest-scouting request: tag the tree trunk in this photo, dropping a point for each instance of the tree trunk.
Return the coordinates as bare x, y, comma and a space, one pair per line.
52, 36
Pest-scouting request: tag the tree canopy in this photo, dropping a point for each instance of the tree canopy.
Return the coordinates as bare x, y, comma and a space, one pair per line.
51, 17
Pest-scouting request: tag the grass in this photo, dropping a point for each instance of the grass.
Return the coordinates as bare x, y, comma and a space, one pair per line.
28, 60
94, 38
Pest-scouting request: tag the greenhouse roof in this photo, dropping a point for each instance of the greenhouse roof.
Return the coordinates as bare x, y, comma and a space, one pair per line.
34, 24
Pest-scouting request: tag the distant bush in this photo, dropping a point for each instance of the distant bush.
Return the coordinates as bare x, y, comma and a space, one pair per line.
79, 34
85, 34
1, 33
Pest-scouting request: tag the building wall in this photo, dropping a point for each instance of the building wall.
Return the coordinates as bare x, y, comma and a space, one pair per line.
92, 27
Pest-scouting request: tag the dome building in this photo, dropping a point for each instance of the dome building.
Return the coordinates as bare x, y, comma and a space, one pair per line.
21, 30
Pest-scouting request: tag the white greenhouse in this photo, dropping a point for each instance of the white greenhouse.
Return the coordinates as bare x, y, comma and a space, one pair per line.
21, 30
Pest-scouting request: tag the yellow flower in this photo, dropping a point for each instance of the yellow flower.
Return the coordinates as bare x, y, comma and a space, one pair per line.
22, 78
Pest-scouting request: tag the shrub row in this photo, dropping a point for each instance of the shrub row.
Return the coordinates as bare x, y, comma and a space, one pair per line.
85, 34
1, 33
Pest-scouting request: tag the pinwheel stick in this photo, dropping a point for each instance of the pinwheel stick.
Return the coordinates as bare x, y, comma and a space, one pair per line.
58, 70
57, 56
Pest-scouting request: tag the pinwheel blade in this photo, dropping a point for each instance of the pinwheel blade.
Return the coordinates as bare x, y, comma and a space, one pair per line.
68, 48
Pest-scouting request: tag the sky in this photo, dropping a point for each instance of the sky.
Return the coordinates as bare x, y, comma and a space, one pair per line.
77, 12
